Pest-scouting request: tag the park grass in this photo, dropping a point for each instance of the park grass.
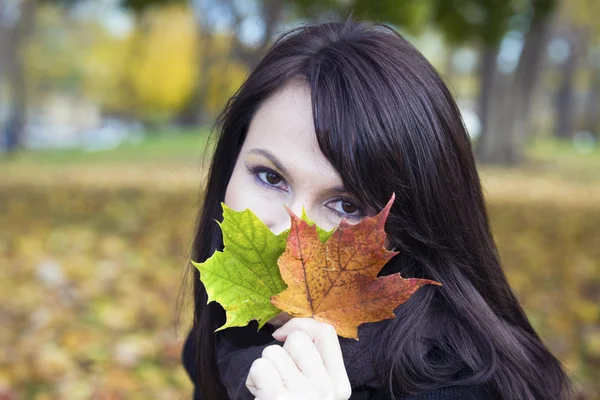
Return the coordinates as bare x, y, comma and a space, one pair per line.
187, 146
165, 160
560, 158
173, 146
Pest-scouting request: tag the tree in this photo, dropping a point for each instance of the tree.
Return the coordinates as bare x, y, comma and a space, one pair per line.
565, 99
508, 114
483, 22
268, 14
504, 98
17, 24
578, 28
14, 32
161, 68
592, 112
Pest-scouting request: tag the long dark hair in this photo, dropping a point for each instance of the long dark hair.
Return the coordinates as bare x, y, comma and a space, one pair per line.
386, 121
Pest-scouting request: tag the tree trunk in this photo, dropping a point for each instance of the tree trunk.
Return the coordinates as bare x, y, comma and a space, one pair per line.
272, 12
487, 69
194, 113
525, 84
508, 120
5, 32
494, 104
565, 97
15, 72
592, 114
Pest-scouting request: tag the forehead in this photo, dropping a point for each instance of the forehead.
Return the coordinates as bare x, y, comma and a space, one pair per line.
286, 117
283, 125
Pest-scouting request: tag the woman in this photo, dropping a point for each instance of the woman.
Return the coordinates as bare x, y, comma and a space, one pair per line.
335, 118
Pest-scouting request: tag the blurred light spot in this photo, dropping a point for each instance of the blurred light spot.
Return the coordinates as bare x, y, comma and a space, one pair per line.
127, 352
50, 273
559, 50
252, 30
118, 23
510, 52
464, 60
471, 121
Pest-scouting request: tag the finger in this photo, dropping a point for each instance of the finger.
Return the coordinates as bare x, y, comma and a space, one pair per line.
326, 342
263, 380
305, 355
286, 367
323, 336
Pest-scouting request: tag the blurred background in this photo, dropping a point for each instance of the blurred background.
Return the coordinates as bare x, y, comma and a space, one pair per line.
105, 111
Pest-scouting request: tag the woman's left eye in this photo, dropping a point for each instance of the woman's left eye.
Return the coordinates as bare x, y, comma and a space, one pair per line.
346, 208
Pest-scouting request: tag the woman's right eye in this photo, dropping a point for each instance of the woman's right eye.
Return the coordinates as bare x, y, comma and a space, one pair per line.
271, 178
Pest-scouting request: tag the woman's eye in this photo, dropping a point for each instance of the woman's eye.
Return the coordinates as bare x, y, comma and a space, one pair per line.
347, 208
270, 178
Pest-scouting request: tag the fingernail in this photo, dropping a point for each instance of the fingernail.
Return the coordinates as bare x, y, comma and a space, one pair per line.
276, 333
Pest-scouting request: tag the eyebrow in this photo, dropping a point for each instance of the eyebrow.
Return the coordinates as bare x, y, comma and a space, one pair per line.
271, 157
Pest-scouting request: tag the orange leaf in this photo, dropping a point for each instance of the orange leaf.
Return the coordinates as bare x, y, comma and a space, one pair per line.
336, 281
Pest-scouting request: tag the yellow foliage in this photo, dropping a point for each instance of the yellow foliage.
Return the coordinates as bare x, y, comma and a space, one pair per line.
224, 78
162, 59
105, 62
149, 74
582, 14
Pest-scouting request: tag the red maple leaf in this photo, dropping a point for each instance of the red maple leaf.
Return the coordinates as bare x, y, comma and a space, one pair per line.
336, 282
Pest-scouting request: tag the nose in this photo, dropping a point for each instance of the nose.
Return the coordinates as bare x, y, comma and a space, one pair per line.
281, 220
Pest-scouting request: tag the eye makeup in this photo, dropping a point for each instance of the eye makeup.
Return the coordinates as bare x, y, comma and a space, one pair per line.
257, 170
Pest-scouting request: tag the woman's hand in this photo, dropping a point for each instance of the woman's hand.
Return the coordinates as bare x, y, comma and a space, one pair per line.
309, 366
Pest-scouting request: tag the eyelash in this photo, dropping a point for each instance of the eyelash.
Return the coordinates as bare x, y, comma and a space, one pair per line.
258, 169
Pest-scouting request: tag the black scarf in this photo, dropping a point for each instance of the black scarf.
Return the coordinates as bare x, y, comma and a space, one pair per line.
237, 348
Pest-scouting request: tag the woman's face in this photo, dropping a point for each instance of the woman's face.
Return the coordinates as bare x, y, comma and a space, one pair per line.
281, 163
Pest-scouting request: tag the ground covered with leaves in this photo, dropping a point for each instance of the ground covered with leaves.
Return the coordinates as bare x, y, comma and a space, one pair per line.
89, 289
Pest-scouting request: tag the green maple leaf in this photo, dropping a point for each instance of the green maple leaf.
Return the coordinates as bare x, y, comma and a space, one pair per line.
244, 276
